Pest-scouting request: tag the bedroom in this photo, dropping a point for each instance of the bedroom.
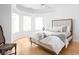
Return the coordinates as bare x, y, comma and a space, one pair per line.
39, 19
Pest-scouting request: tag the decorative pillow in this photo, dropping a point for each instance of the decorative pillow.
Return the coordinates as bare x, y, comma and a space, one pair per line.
64, 28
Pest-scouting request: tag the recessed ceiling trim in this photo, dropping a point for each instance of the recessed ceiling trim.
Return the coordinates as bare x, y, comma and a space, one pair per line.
31, 10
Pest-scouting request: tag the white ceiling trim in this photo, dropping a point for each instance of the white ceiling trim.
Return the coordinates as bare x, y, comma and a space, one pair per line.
33, 10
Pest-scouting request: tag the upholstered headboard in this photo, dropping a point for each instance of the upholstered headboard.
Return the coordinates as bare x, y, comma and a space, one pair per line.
67, 22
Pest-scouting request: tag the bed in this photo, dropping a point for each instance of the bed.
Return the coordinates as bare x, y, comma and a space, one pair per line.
56, 38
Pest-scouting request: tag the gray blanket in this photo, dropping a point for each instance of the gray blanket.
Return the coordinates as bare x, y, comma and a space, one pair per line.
61, 36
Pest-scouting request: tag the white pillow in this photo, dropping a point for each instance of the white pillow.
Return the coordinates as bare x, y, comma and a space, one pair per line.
68, 28
48, 33
57, 29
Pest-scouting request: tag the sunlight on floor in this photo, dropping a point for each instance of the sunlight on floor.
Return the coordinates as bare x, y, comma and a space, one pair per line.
24, 48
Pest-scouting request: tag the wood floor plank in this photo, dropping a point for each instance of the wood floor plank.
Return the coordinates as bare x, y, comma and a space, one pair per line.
24, 48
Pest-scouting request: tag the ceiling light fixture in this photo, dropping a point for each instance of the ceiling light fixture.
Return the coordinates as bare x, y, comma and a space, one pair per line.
45, 5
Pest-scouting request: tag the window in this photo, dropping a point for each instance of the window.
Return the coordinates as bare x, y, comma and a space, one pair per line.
26, 23
15, 23
38, 23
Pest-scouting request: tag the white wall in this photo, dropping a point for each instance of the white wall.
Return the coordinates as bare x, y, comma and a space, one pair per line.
5, 20
72, 12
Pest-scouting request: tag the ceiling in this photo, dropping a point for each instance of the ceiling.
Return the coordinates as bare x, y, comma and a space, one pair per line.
38, 8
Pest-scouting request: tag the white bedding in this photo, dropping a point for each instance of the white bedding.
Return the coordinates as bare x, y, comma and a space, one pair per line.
54, 42
51, 42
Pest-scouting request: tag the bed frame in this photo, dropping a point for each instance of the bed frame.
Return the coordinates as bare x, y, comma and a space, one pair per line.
53, 21
63, 22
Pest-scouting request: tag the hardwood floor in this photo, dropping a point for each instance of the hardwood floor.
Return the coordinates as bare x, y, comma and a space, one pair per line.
24, 48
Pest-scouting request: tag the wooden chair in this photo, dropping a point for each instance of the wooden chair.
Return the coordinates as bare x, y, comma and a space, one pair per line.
4, 47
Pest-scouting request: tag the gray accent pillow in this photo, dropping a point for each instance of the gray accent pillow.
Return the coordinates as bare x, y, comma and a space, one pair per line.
64, 28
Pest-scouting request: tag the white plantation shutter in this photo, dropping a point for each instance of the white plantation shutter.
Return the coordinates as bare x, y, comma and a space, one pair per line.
26, 23
38, 23
15, 23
